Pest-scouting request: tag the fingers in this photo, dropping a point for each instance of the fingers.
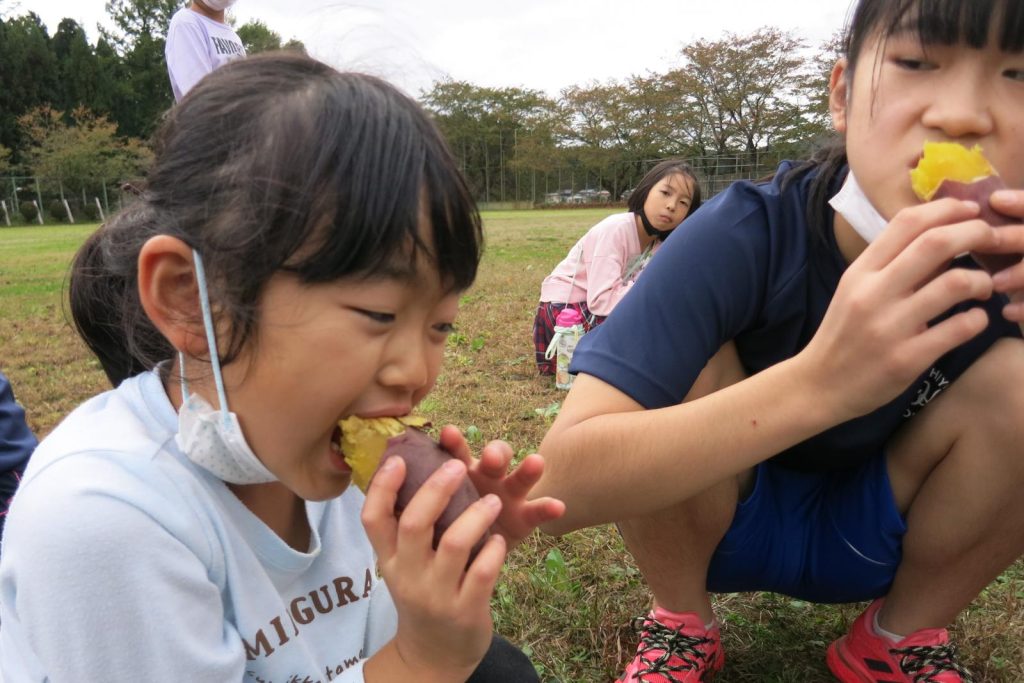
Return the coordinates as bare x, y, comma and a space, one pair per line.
542, 510
522, 479
452, 440
911, 223
481, 577
459, 539
378, 515
942, 293
495, 458
1008, 202
948, 334
934, 249
416, 525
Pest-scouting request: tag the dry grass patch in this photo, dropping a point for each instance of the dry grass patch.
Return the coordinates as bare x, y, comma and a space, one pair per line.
568, 600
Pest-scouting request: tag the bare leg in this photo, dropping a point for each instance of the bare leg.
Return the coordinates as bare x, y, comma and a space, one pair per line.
673, 547
957, 472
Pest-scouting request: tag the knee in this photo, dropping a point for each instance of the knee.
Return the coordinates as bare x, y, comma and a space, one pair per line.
996, 395
708, 514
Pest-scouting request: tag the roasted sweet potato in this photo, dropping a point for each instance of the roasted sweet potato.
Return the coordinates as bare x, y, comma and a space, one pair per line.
948, 169
422, 456
365, 443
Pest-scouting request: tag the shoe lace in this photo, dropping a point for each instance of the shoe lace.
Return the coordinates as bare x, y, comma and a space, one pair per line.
655, 635
925, 662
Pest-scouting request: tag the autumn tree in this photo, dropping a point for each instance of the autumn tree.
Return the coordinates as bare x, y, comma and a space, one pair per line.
748, 91
818, 119
83, 153
485, 128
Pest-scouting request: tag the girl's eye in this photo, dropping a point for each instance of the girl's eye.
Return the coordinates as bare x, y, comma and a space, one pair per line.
911, 64
1014, 74
377, 316
445, 328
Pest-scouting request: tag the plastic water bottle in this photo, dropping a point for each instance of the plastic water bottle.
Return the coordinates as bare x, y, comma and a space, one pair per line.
568, 330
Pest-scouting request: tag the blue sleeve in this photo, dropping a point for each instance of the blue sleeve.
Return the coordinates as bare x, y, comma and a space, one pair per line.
701, 289
16, 444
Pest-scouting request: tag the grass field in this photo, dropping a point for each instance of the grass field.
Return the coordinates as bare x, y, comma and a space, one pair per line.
569, 600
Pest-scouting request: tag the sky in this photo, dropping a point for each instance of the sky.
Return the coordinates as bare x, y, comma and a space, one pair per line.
544, 45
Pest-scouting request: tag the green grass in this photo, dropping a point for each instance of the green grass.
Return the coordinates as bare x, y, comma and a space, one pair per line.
567, 600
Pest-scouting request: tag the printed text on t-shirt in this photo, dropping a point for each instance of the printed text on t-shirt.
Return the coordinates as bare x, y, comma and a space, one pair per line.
283, 627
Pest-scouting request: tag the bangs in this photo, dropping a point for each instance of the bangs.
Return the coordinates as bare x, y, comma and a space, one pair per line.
951, 22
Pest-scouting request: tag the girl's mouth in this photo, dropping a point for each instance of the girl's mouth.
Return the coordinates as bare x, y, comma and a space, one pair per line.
337, 457
336, 439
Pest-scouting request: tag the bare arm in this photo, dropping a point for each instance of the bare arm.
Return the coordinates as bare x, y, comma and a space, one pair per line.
609, 459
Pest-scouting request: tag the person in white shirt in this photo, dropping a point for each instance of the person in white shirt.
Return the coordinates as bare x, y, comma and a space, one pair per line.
196, 523
199, 40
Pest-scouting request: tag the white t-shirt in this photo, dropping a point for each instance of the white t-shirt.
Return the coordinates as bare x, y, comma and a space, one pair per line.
196, 45
124, 561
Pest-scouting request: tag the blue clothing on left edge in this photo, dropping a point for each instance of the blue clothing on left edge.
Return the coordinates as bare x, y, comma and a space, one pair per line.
16, 445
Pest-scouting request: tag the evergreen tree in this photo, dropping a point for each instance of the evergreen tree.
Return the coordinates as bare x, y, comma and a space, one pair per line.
28, 74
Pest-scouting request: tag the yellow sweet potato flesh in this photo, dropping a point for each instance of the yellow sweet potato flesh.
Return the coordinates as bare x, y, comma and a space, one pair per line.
363, 441
948, 161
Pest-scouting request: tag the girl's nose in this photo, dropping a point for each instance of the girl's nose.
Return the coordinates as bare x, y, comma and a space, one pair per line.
405, 365
960, 110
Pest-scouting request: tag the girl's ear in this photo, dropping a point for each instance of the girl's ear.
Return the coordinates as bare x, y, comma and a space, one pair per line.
839, 95
169, 293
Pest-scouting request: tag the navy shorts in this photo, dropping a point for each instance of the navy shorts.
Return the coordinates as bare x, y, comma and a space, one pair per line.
823, 537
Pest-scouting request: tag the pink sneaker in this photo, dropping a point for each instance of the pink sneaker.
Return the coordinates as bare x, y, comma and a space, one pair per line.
674, 648
862, 656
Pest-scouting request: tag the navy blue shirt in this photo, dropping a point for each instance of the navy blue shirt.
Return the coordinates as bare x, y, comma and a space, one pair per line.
746, 267
16, 444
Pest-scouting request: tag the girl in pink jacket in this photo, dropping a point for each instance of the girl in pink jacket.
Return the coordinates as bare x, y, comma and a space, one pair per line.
605, 262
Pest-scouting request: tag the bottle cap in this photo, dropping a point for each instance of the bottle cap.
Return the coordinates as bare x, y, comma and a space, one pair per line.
568, 317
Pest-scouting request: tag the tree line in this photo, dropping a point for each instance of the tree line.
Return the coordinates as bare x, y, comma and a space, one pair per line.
79, 115
734, 107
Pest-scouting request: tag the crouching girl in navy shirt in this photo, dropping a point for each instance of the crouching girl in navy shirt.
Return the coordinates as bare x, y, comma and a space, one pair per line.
296, 259
825, 403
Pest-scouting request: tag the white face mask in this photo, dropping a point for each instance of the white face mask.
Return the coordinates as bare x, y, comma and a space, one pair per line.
219, 5
852, 204
211, 438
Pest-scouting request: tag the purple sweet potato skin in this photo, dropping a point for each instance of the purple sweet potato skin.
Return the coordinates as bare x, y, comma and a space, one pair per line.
422, 456
979, 192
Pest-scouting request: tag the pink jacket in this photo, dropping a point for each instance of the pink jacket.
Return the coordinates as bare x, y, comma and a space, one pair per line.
606, 261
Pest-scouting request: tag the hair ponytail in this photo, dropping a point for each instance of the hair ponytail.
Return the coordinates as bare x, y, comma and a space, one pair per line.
104, 297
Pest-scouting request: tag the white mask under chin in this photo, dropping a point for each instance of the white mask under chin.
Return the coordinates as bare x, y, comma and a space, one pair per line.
213, 439
219, 5
852, 204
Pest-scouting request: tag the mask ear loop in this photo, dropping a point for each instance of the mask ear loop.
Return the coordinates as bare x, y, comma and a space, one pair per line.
211, 339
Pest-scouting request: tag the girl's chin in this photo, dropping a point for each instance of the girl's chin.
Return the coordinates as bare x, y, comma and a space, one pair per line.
331, 486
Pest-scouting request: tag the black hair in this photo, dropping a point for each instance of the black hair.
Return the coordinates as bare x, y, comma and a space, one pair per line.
274, 163
936, 22
668, 167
